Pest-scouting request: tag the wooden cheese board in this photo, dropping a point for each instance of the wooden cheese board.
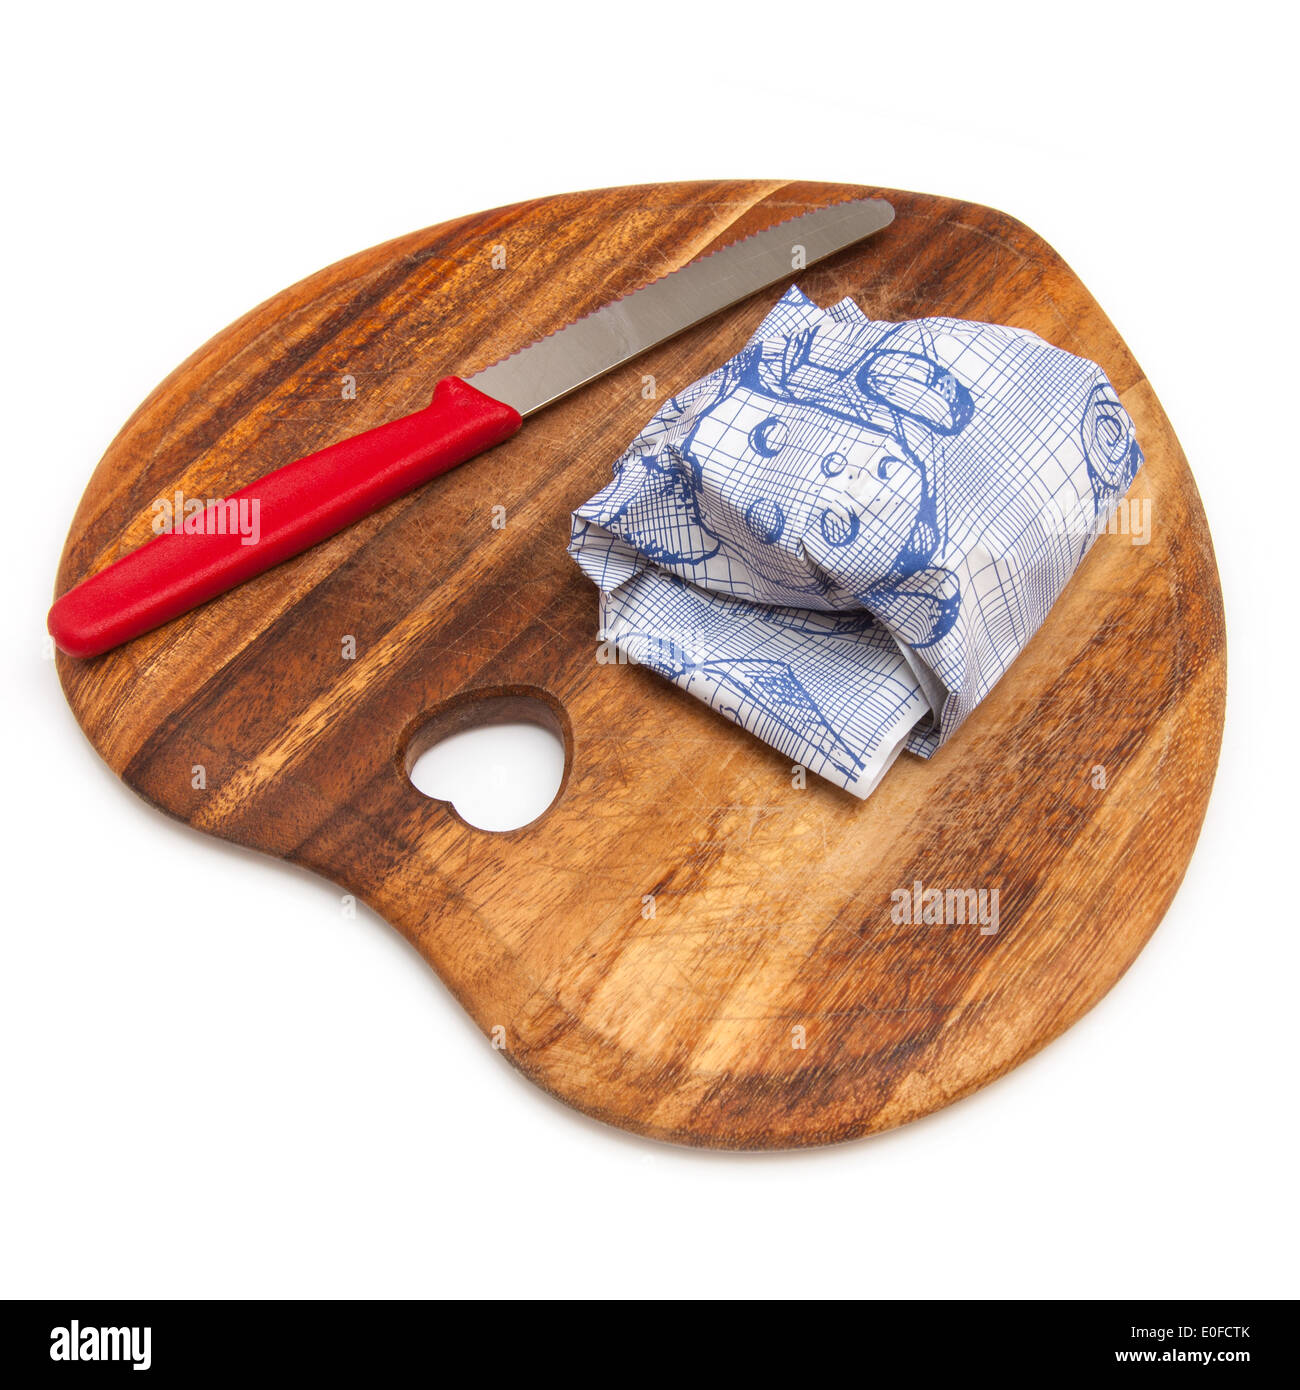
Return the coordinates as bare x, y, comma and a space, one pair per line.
691, 942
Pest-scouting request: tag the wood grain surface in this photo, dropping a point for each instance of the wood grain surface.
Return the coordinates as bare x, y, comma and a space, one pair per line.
771, 923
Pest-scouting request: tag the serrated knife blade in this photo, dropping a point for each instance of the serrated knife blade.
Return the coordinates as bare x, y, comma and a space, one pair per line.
552, 367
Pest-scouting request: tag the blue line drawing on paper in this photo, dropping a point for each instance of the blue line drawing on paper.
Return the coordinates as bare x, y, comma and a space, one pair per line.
854, 521
654, 503
772, 687
901, 399
1109, 446
751, 663
765, 519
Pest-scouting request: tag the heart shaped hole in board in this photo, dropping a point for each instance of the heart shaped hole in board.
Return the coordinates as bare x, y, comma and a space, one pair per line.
497, 758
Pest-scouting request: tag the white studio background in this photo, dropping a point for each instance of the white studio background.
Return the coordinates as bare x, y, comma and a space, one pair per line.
214, 1084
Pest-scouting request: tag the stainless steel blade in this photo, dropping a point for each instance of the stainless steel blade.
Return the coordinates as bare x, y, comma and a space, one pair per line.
550, 368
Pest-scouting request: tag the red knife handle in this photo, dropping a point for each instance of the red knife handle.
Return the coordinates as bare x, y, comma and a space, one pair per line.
276, 517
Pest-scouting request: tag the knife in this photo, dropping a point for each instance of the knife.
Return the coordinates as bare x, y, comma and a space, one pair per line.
310, 499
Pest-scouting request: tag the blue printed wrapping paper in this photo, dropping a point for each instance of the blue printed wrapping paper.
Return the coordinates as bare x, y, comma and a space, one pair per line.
844, 536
